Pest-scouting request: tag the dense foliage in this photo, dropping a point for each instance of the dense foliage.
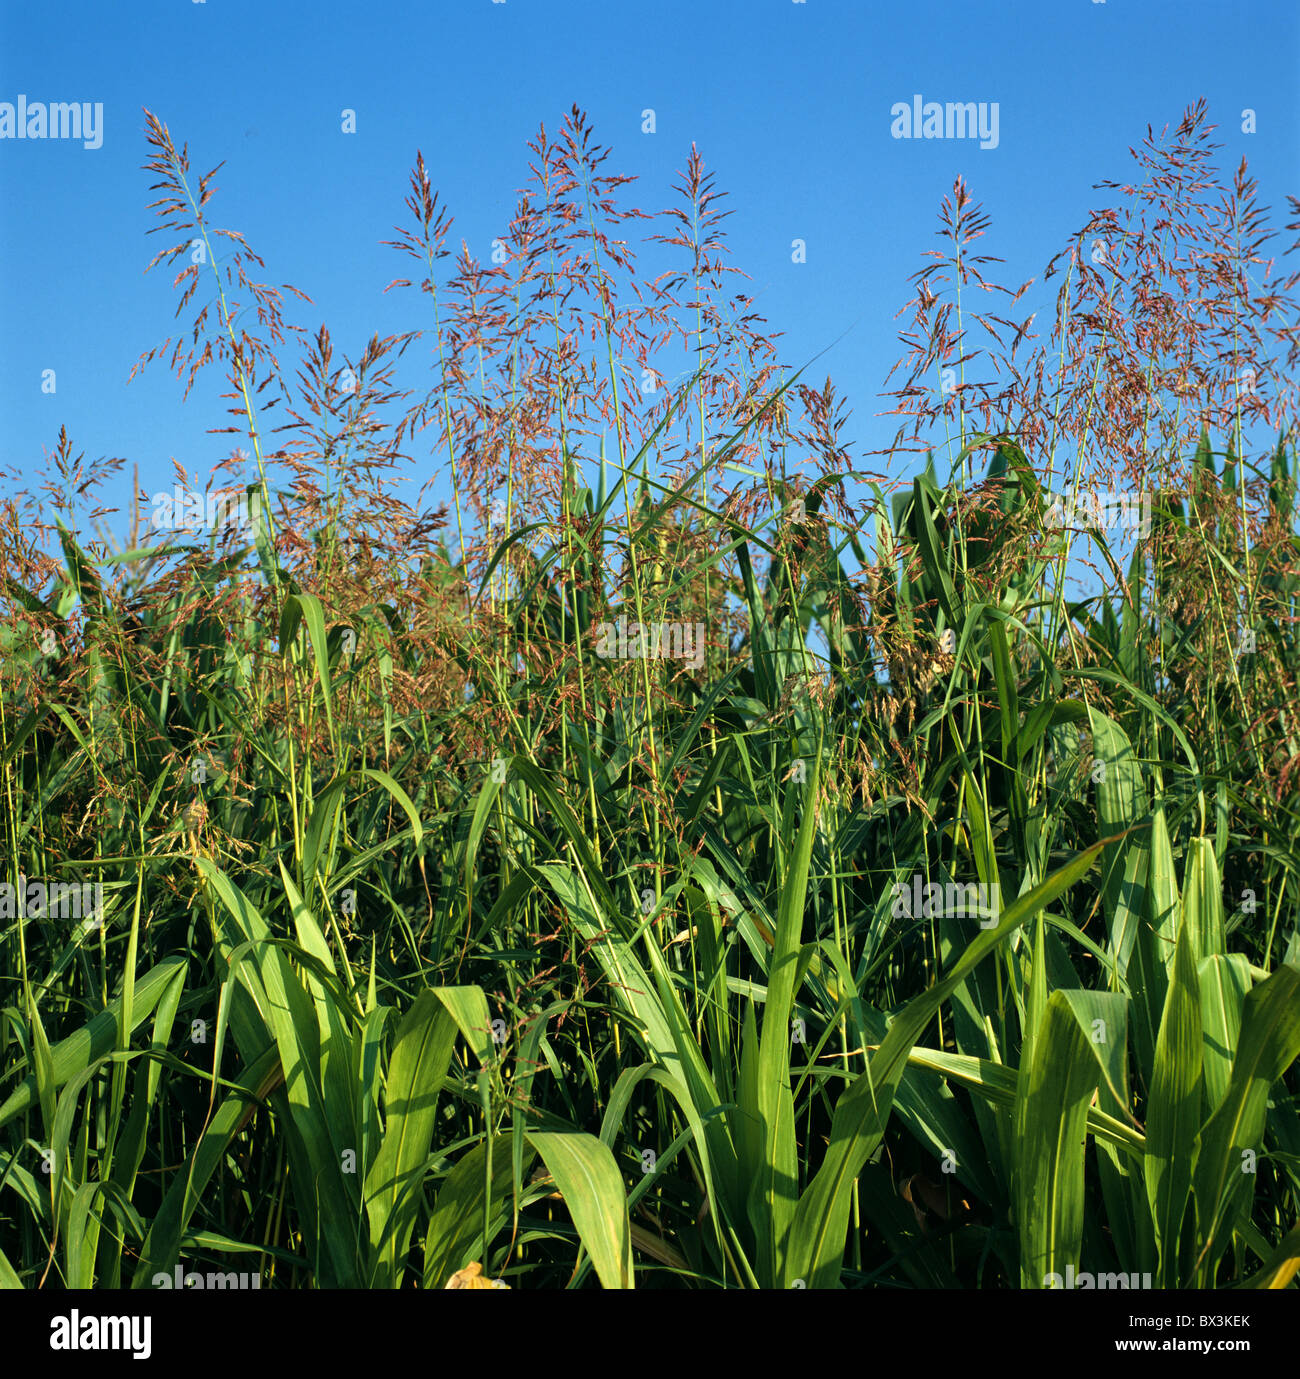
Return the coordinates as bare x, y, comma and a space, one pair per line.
445, 925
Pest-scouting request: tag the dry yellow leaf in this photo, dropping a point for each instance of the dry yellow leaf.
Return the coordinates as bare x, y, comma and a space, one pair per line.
471, 1276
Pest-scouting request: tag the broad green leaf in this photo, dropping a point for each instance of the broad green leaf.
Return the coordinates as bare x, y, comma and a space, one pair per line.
1051, 1116
821, 1220
1231, 1139
1224, 981
1103, 1018
288, 1015
592, 1188
422, 1050
774, 1192
1203, 900
455, 1234
998, 1083
95, 1039
1174, 1110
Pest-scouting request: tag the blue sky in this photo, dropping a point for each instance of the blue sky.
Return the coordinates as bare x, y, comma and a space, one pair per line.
789, 103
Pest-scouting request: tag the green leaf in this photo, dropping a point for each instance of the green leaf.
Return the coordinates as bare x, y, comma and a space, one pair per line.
774, 1191
1224, 980
161, 1249
1231, 1139
1203, 900
307, 608
287, 1014
1174, 1111
821, 1220
999, 1084
94, 1040
455, 1231
422, 1051
589, 1181
1051, 1116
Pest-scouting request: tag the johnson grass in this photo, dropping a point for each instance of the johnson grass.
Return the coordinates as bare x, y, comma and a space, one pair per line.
554, 884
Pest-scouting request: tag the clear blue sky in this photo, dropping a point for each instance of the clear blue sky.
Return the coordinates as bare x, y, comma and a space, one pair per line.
788, 102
